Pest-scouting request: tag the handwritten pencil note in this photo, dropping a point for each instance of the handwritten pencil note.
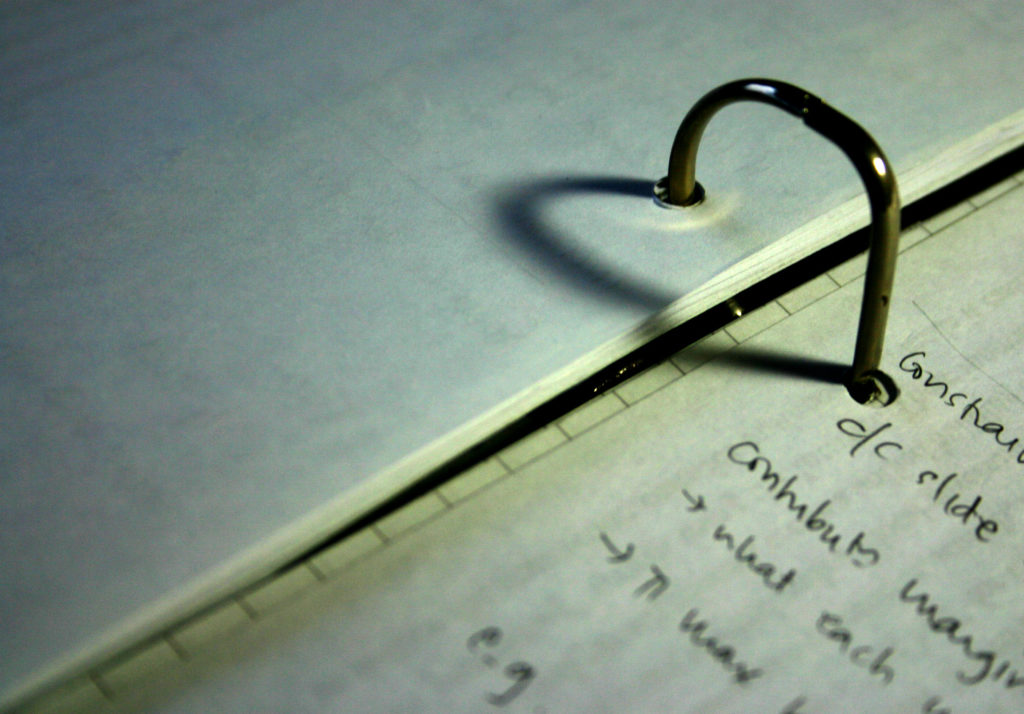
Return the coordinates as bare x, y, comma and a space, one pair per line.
737, 541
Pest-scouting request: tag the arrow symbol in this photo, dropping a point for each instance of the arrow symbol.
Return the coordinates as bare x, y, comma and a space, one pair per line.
696, 504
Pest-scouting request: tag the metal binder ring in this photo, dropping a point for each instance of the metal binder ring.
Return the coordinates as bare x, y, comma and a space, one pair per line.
680, 188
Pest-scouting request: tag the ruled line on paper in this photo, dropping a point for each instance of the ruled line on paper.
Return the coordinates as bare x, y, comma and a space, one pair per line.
990, 194
948, 341
475, 479
756, 321
591, 414
78, 695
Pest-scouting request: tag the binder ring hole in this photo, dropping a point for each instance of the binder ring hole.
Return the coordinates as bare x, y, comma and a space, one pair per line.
873, 389
661, 195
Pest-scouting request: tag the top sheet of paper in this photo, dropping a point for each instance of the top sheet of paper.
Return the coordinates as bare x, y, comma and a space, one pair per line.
251, 253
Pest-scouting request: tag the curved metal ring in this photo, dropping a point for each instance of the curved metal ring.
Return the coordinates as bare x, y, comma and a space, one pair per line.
874, 170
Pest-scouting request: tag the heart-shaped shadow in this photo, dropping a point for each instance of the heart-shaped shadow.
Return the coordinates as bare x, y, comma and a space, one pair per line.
519, 213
